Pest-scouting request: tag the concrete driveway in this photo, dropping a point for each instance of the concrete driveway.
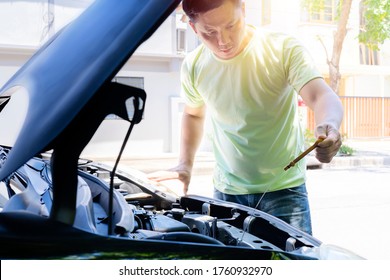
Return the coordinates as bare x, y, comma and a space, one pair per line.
351, 208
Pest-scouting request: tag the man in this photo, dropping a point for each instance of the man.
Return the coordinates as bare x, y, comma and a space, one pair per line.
249, 81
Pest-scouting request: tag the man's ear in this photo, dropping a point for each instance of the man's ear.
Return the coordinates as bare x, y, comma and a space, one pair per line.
193, 26
243, 8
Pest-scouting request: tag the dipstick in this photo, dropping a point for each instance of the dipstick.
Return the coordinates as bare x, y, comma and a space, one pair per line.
301, 156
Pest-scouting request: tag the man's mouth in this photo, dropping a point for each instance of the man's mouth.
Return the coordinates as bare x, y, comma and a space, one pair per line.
225, 50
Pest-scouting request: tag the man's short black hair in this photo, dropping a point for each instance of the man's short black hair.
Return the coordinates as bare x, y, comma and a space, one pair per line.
193, 8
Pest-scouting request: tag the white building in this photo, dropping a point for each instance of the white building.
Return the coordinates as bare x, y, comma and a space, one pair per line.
25, 25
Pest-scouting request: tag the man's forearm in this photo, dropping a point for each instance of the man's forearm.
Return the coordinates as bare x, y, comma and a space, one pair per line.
192, 133
328, 110
325, 104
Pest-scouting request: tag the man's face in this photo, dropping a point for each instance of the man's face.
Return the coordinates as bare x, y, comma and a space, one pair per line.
222, 30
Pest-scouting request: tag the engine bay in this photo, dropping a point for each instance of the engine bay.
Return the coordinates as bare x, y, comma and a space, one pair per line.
145, 212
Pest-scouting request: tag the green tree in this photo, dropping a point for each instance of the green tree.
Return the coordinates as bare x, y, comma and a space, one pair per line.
375, 23
374, 29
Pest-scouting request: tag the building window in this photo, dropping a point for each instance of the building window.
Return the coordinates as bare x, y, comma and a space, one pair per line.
137, 82
181, 40
265, 12
326, 13
368, 56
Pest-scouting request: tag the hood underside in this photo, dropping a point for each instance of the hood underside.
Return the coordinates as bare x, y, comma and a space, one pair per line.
48, 92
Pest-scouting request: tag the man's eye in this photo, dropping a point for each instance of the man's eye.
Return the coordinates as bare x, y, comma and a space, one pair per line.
211, 33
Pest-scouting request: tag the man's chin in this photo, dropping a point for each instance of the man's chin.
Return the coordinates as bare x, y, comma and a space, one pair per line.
226, 55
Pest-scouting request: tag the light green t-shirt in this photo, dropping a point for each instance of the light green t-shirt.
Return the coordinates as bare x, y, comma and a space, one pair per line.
252, 103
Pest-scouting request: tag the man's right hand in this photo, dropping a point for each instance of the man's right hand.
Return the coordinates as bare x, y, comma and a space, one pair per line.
191, 132
180, 173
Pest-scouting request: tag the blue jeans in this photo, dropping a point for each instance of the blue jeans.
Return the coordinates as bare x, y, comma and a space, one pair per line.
290, 205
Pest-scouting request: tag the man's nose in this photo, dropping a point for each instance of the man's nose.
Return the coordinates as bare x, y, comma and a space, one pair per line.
223, 38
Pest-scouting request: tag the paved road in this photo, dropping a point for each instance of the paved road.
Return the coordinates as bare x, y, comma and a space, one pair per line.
351, 208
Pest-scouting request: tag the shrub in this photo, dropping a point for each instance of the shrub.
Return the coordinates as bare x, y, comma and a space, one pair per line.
345, 150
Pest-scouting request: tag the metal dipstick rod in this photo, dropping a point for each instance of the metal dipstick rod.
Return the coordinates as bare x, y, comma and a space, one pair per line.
301, 156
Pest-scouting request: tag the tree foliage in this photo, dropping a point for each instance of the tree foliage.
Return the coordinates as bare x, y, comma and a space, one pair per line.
375, 28
375, 21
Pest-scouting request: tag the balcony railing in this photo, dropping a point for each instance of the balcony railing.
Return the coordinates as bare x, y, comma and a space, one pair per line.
364, 117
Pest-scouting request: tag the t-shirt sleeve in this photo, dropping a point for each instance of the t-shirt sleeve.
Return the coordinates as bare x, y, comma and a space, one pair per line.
299, 64
189, 92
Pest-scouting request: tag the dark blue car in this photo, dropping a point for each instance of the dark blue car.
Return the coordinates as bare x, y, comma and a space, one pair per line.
55, 205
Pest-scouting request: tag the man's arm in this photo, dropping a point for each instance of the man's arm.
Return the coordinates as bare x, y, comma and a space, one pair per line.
328, 113
191, 136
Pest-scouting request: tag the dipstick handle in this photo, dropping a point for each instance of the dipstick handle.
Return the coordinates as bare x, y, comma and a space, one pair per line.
301, 156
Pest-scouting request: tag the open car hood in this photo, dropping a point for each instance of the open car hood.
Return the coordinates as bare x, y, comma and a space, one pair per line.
47, 93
